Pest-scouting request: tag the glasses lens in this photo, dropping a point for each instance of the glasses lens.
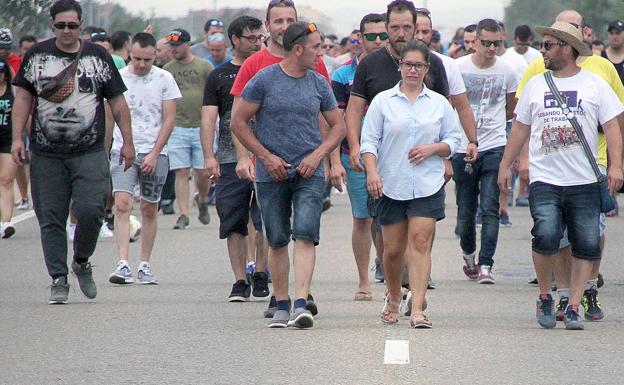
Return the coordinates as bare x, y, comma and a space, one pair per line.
66, 25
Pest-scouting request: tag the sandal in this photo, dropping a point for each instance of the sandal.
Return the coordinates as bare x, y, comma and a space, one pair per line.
363, 295
422, 323
390, 317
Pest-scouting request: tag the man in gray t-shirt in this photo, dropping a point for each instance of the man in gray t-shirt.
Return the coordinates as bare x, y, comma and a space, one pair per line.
286, 99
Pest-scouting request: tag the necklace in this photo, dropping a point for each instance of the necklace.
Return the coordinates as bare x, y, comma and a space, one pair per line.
395, 60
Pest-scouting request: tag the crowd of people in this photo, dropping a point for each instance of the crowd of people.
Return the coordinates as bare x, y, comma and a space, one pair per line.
267, 124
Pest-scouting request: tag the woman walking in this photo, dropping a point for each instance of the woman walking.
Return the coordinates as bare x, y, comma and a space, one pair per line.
8, 168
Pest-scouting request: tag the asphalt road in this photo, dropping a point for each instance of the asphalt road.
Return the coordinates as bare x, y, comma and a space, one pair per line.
183, 331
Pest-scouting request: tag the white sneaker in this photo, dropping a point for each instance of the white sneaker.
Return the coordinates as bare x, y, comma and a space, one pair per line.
71, 230
23, 204
135, 229
105, 231
6, 230
145, 276
122, 274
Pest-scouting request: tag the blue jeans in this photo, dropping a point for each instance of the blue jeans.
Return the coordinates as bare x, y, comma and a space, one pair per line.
277, 200
554, 208
479, 187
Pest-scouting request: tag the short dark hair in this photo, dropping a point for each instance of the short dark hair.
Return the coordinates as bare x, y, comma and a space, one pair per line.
238, 26
64, 6
7, 72
332, 37
119, 38
489, 25
401, 6
101, 35
144, 39
371, 18
416, 45
280, 3
523, 32
89, 29
294, 34
470, 28
27, 38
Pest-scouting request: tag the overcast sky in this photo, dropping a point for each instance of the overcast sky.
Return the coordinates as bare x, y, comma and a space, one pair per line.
346, 14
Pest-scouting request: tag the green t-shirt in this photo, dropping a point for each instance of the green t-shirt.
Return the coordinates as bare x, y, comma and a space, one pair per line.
119, 62
191, 79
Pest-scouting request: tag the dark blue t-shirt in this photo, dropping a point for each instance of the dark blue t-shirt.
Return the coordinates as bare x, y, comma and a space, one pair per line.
287, 121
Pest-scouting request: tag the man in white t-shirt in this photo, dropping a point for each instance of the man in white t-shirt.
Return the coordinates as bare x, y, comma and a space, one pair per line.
151, 96
523, 41
563, 188
491, 84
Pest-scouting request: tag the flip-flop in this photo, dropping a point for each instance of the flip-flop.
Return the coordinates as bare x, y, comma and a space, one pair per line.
390, 317
424, 323
363, 296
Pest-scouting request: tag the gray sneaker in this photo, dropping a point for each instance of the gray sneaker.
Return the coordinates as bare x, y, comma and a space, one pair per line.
122, 274
279, 320
182, 223
301, 318
146, 277
83, 272
59, 291
204, 215
379, 274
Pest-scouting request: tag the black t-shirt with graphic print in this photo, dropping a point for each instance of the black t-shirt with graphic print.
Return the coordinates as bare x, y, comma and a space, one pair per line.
76, 125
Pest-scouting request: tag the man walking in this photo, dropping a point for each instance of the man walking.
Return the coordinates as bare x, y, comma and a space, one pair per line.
151, 95
184, 146
67, 141
290, 177
563, 188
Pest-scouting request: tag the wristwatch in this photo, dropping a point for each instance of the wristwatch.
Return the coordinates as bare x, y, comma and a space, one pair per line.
475, 142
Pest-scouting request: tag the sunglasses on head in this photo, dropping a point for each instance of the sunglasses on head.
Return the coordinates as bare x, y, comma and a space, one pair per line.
548, 45
373, 36
217, 23
311, 29
71, 26
423, 11
215, 38
489, 43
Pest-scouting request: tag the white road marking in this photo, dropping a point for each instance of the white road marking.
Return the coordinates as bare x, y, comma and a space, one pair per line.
397, 352
23, 217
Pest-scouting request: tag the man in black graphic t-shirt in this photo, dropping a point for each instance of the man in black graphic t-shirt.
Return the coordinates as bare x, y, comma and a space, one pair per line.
67, 142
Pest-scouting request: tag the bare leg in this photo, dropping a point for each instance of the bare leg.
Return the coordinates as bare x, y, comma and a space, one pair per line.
8, 168
22, 180
262, 251
418, 254
395, 240
361, 243
237, 250
280, 266
305, 259
581, 271
149, 228
543, 269
182, 190
203, 184
123, 208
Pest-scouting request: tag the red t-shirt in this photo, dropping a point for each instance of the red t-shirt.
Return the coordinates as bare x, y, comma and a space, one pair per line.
260, 60
14, 62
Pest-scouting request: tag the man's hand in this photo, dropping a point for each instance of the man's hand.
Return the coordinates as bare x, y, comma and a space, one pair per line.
374, 185
127, 155
504, 180
211, 167
18, 152
472, 153
337, 176
354, 159
276, 167
245, 169
308, 165
148, 164
616, 178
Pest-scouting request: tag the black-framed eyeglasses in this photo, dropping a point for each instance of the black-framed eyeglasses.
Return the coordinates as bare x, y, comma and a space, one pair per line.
311, 29
418, 65
253, 38
62, 26
548, 45
373, 36
489, 43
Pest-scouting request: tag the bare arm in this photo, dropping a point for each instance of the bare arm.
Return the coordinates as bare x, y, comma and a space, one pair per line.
613, 136
110, 126
466, 118
148, 165
336, 133
121, 114
21, 109
353, 120
207, 133
519, 136
510, 105
245, 168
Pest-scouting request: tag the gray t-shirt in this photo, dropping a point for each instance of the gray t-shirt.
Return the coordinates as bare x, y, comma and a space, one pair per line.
287, 121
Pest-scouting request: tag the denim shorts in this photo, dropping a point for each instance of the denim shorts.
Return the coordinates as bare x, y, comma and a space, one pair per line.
235, 200
356, 188
299, 197
554, 208
391, 211
150, 185
184, 149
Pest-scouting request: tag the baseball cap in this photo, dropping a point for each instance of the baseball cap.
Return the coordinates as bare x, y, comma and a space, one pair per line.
617, 24
6, 38
178, 36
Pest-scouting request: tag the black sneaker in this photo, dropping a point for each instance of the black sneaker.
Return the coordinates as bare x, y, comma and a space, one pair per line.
59, 291
260, 286
561, 306
600, 281
84, 273
591, 304
110, 220
311, 305
240, 292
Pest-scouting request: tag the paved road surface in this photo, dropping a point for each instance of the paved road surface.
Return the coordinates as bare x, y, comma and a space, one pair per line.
183, 331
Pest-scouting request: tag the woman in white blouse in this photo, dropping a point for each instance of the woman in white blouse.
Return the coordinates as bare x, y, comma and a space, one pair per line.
407, 133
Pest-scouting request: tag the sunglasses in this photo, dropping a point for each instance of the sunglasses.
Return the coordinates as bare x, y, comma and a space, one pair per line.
409, 66
311, 29
325, 46
253, 38
548, 45
215, 38
62, 26
216, 23
489, 43
175, 38
373, 36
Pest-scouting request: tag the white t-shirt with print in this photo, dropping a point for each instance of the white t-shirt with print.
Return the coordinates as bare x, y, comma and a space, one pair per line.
556, 155
145, 96
515, 60
531, 54
455, 81
487, 91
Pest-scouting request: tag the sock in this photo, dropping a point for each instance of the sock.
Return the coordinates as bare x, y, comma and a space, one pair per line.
144, 265
563, 292
592, 284
282, 305
300, 302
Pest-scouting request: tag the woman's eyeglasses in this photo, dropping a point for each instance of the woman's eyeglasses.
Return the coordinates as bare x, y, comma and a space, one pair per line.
409, 66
